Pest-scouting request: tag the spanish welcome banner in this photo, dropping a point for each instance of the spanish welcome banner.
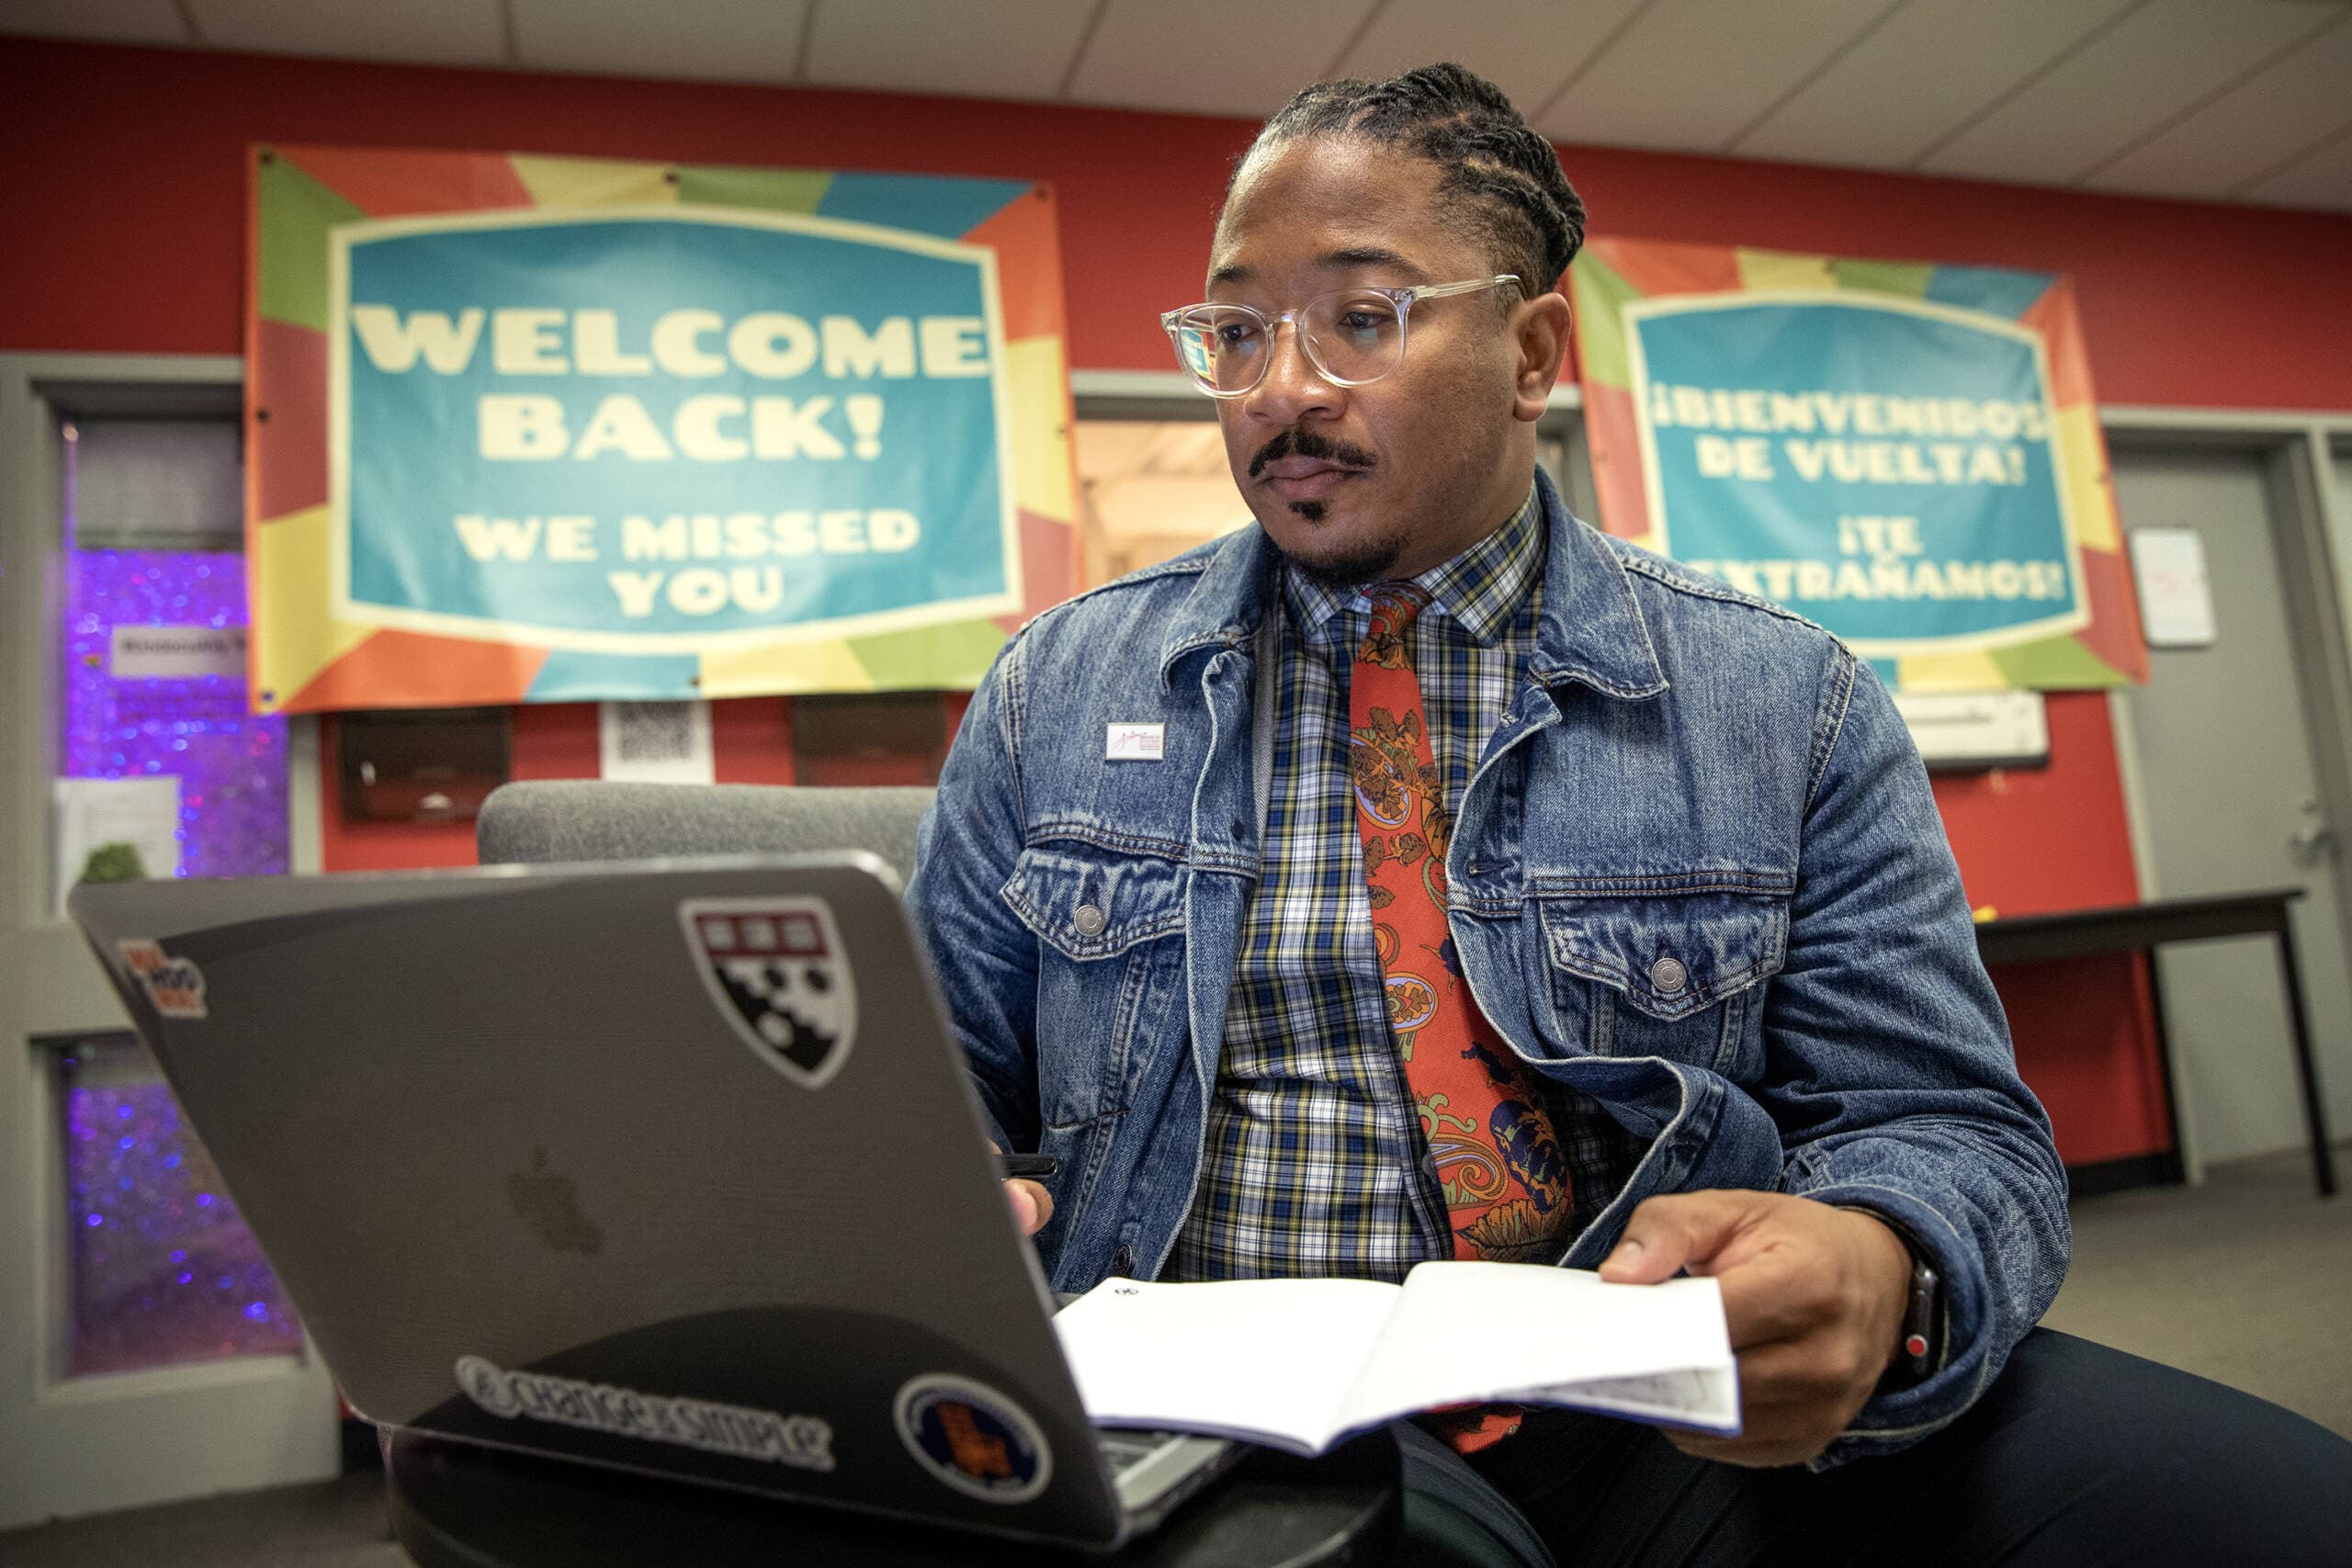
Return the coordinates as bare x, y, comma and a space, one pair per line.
1908, 454
528, 429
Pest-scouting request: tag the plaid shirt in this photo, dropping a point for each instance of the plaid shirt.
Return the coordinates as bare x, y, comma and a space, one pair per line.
1313, 1165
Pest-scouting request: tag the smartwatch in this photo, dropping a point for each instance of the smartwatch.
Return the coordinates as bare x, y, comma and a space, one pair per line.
1921, 1353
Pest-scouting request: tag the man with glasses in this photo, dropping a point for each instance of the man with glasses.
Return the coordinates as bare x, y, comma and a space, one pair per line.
1419, 874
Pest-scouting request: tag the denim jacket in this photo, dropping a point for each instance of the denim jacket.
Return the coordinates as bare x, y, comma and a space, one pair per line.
1686, 774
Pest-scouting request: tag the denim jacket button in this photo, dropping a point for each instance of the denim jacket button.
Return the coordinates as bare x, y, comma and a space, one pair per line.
1089, 920
1667, 977
1123, 1260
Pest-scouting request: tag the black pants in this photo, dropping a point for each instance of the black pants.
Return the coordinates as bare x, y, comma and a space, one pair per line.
2078, 1454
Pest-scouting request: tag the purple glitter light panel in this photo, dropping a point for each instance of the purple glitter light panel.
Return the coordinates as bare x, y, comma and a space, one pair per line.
163, 1272
164, 1269
231, 763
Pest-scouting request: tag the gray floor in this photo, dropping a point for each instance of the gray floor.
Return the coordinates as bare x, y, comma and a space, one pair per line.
2246, 1279
2243, 1280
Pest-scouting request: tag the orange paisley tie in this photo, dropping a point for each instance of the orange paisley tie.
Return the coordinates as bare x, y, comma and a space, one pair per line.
1498, 1157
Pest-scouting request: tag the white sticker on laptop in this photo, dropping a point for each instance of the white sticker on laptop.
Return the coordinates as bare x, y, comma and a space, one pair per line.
174, 985
804, 1442
776, 970
1134, 742
972, 1437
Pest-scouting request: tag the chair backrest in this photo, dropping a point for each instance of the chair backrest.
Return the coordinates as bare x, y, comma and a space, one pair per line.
582, 819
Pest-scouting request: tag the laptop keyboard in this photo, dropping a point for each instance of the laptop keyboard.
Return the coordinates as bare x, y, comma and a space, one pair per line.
1124, 1450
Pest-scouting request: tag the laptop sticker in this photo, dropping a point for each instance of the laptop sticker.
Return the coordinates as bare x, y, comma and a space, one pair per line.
777, 971
174, 985
803, 1442
973, 1437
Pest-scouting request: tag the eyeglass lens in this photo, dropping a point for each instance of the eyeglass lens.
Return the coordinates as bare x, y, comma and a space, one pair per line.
1350, 337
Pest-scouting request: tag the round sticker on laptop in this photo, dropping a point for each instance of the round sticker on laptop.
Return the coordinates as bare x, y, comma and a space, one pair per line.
973, 1437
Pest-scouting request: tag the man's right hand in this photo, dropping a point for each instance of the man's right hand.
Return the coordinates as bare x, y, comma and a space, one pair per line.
1031, 1204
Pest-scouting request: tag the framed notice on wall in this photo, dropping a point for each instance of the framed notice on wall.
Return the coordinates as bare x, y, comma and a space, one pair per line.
531, 429
1908, 454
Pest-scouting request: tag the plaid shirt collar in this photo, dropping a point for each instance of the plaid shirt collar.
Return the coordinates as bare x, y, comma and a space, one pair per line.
1480, 590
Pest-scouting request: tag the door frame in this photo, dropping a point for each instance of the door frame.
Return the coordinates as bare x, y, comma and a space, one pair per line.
2312, 534
172, 1431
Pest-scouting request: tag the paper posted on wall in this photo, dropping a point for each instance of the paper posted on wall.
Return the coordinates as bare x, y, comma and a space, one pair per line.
115, 830
1300, 1364
656, 742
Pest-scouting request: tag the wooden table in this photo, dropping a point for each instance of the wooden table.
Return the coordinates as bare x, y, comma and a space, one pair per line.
2144, 928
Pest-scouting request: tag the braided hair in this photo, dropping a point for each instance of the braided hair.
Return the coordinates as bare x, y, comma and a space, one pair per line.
1500, 179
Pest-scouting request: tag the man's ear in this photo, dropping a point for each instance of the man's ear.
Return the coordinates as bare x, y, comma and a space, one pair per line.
1540, 332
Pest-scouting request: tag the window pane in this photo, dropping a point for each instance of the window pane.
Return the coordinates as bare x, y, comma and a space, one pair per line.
163, 1270
1149, 490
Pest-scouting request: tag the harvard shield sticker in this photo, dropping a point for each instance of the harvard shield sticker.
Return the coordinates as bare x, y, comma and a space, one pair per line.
776, 969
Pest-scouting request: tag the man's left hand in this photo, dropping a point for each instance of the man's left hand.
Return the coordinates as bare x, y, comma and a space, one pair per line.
1814, 1299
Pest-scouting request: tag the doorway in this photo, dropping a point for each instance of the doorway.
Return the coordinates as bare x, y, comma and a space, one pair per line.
151, 1353
2231, 747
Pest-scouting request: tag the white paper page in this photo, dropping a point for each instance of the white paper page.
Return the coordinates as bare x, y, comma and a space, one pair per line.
1265, 1359
1469, 1332
1706, 1400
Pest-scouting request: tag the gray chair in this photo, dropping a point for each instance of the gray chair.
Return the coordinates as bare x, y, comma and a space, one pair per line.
590, 820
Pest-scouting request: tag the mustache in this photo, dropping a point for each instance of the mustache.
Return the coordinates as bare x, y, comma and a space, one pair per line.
1308, 444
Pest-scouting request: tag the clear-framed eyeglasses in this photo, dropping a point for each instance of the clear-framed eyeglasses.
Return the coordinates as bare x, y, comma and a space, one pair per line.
1350, 335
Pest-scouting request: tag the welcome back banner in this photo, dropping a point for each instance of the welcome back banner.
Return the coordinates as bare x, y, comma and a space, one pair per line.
530, 429
1906, 454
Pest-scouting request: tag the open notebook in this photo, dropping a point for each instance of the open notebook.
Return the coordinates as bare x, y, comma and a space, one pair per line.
1300, 1364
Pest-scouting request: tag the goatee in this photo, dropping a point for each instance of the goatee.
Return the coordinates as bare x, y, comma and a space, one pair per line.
1374, 561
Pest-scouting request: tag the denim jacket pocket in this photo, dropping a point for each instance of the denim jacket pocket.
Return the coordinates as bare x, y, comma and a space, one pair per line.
1090, 903
1110, 990
1678, 975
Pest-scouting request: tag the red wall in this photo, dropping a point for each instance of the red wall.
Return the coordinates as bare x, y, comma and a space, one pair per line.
128, 163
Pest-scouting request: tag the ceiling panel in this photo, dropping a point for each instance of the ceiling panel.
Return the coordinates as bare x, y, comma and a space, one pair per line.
105, 21
1235, 57
2323, 178
710, 40
2250, 130
1525, 47
1691, 74
1920, 77
2159, 61
982, 49
422, 32
2209, 99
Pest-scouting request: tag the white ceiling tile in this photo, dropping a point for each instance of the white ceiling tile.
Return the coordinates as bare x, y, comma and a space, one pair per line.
432, 32
2248, 131
2323, 179
708, 40
1525, 47
1691, 74
1920, 76
104, 21
2152, 65
1230, 57
981, 49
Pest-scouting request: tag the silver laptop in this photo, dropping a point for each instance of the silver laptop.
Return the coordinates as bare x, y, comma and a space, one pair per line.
671, 1166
